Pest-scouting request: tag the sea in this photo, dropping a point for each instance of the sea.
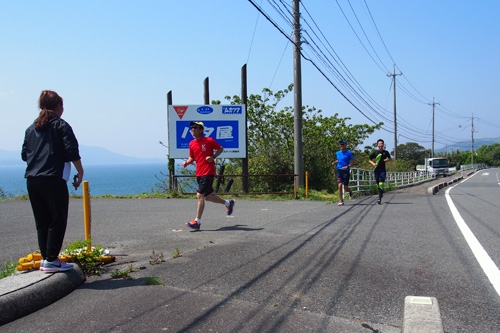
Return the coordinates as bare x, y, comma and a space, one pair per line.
125, 179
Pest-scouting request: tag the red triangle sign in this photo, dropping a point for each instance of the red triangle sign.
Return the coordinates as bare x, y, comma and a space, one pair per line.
180, 110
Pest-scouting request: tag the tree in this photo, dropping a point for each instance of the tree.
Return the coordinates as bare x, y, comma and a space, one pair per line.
413, 153
488, 154
457, 158
491, 153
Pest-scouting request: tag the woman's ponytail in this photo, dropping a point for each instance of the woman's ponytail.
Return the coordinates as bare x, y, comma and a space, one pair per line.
48, 102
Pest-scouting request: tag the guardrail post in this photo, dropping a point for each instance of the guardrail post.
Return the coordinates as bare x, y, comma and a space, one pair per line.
307, 184
358, 188
86, 212
295, 186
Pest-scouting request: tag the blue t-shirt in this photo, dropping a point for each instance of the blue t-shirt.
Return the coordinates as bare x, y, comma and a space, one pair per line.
344, 158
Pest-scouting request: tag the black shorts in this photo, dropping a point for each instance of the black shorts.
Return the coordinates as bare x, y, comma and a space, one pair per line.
380, 176
205, 184
343, 176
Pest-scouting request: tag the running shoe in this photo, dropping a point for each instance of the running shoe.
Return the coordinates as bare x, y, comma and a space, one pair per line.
194, 225
379, 201
230, 207
351, 195
341, 203
55, 266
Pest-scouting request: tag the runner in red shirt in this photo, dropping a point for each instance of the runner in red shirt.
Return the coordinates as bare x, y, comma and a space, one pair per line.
204, 150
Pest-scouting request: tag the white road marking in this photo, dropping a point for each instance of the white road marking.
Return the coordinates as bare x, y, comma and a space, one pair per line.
482, 257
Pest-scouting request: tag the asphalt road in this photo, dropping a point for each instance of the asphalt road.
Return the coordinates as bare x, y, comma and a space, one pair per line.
277, 266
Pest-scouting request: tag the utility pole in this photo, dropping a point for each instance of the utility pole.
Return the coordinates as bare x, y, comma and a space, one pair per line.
244, 100
393, 74
472, 142
433, 104
297, 80
171, 161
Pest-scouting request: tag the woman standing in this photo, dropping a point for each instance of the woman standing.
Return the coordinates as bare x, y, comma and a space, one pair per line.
49, 144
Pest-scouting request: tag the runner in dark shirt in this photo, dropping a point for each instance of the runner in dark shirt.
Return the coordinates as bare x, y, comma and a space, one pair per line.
378, 159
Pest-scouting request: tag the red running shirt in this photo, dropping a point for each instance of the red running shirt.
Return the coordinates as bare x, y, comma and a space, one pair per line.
200, 150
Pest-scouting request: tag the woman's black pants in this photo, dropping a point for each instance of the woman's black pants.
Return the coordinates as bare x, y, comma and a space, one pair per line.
49, 199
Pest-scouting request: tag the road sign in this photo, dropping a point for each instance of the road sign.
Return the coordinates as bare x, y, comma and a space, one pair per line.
224, 123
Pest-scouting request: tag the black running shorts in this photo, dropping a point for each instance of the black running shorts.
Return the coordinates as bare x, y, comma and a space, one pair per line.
343, 176
205, 184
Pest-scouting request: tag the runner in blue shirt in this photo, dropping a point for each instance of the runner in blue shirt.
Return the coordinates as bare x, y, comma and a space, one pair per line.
344, 162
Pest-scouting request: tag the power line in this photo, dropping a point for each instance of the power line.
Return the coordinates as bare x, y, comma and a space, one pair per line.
378, 32
270, 20
364, 33
312, 62
374, 103
342, 79
337, 59
276, 71
488, 123
253, 36
385, 69
328, 61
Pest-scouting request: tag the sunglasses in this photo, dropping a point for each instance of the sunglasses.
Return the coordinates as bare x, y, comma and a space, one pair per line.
342, 144
195, 127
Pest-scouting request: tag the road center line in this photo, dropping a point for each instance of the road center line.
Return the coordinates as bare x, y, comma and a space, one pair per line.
482, 257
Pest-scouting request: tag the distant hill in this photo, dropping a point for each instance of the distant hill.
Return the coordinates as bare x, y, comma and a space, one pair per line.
466, 145
89, 154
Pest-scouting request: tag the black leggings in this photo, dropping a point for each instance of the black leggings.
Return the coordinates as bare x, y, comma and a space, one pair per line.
49, 199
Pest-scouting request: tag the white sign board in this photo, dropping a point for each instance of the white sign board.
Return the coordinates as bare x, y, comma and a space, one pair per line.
224, 123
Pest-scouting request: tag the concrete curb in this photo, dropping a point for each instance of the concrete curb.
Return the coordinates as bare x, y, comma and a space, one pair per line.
435, 189
27, 292
421, 314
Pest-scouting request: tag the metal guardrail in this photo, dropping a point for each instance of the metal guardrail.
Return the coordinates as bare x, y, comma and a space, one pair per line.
361, 180
464, 167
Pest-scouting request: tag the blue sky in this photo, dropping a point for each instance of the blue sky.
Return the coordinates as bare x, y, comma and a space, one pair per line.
113, 62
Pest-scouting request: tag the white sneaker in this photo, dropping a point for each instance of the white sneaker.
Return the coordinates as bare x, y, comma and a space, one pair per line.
55, 266
351, 196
